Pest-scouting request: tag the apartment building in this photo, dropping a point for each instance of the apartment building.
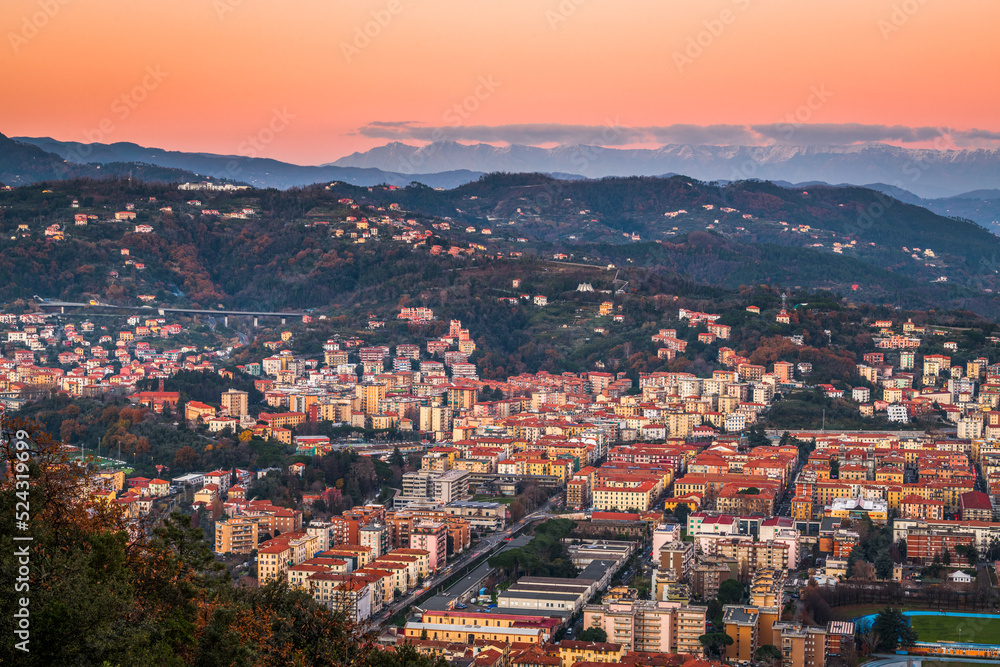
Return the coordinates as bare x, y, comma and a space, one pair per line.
709, 572
751, 627
441, 486
238, 535
741, 626
801, 645
419, 558
375, 537
648, 625
933, 535
572, 652
491, 516
752, 555
677, 558
350, 595
466, 633
235, 403
432, 537
450, 486
614, 498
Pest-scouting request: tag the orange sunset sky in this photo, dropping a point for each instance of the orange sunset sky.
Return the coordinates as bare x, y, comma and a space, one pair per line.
555, 72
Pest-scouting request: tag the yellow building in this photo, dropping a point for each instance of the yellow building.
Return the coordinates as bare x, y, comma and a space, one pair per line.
461, 397
692, 502
387, 581
337, 410
470, 633
767, 588
423, 562
283, 419
384, 422
572, 652
889, 475
458, 617
105, 497
408, 564
622, 499
195, 411
111, 480
235, 403
741, 626
853, 473
690, 487
802, 508
440, 458
568, 450
273, 562
206, 494
827, 491
371, 396
236, 535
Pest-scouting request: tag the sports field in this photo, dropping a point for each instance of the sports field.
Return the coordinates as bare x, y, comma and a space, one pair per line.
946, 628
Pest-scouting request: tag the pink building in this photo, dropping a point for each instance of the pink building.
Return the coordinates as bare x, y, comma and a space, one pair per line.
432, 537
664, 534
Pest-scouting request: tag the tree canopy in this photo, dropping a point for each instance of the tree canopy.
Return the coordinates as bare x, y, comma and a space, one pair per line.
731, 591
889, 631
593, 635
545, 555
105, 593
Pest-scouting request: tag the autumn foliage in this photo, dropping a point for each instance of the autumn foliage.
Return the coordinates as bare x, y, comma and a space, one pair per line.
108, 591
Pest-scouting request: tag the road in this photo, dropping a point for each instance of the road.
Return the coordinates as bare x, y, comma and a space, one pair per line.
74, 304
490, 542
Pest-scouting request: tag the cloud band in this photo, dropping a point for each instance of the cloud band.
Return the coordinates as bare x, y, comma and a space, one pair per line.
614, 134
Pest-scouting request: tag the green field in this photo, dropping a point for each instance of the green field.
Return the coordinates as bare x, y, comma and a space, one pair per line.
852, 611
946, 628
506, 500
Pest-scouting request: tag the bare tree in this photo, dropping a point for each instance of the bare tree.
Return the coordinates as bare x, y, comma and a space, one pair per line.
863, 571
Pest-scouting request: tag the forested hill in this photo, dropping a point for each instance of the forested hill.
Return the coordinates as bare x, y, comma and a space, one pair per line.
853, 222
339, 246
640, 204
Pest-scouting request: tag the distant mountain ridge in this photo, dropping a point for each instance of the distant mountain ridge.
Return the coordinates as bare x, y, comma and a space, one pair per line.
963, 184
926, 172
23, 164
981, 206
259, 172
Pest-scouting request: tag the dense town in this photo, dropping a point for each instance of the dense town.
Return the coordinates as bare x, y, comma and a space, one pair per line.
563, 519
